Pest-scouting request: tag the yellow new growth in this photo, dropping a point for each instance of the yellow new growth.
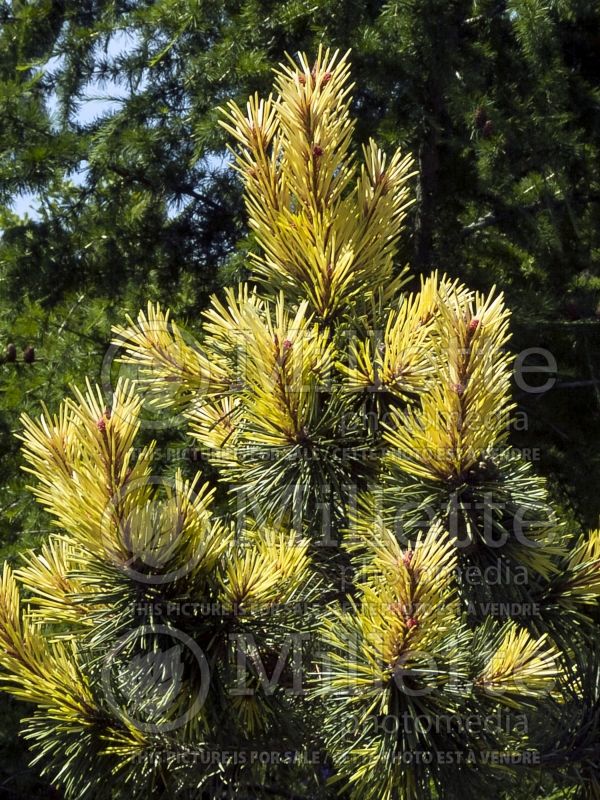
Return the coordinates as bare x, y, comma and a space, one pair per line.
38, 671
284, 362
326, 234
464, 411
171, 367
521, 665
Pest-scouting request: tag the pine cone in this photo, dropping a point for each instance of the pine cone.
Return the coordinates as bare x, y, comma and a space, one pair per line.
479, 117
29, 355
488, 129
11, 352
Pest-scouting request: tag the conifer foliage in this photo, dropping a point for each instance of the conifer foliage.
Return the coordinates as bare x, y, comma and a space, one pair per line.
330, 594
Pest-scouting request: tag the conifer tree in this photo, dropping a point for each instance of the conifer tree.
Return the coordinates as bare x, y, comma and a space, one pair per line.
497, 100
331, 591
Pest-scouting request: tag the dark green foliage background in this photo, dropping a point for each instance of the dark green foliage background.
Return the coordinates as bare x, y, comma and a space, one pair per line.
498, 101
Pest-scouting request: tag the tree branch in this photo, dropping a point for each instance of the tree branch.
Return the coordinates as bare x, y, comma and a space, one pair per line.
182, 188
501, 214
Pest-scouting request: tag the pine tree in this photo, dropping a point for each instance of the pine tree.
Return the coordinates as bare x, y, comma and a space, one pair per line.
365, 493
498, 101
